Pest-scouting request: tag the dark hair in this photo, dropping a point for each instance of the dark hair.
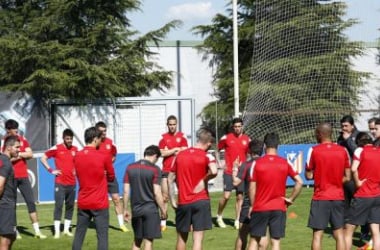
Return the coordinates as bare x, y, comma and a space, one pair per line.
362, 139
373, 119
11, 140
271, 140
11, 124
205, 135
237, 120
68, 132
377, 121
100, 124
90, 134
171, 117
152, 150
256, 147
347, 118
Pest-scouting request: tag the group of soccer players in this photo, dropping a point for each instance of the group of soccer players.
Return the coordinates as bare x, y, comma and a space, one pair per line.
346, 194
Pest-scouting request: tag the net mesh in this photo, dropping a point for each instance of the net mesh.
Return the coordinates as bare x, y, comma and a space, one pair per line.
301, 72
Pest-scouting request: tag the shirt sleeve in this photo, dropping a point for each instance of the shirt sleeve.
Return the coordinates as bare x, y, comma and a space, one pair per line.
357, 154
162, 143
222, 142
252, 176
109, 169
51, 152
309, 161
291, 171
184, 141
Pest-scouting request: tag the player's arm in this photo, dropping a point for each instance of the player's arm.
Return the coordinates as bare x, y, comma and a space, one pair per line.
44, 160
309, 170
171, 186
28, 154
2, 184
354, 168
235, 172
165, 152
127, 215
160, 201
252, 195
296, 190
110, 171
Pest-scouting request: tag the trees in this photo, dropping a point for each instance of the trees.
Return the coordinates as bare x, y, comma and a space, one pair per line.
294, 63
76, 49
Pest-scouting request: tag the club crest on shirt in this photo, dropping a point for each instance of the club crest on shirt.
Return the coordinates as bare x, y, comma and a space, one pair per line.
244, 142
73, 153
178, 140
108, 147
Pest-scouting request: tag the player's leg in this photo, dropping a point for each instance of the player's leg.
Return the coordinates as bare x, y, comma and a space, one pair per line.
258, 228
165, 196
238, 204
26, 191
181, 240
201, 221
375, 235
136, 245
183, 223
69, 209
254, 243
197, 240
6, 241
59, 197
277, 223
7, 227
228, 186
241, 239
113, 189
83, 221
101, 219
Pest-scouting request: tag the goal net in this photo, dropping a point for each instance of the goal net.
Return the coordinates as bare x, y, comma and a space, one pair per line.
301, 73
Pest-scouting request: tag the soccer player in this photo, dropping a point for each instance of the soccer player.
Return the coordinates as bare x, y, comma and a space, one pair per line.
21, 175
328, 164
107, 147
192, 170
236, 147
267, 192
143, 178
170, 144
8, 193
93, 170
366, 204
64, 187
242, 175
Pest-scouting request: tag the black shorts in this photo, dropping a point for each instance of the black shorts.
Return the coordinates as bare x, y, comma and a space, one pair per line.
324, 212
364, 210
164, 174
228, 184
113, 187
8, 220
275, 220
197, 214
147, 224
244, 212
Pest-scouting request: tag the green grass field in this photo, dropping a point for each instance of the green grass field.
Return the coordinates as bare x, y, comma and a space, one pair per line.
298, 236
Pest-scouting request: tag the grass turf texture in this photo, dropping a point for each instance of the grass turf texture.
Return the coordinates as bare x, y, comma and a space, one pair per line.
298, 236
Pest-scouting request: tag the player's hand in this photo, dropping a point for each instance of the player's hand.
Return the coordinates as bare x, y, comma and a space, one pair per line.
164, 214
345, 135
200, 187
56, 172
359, 183
127, 216
174, 203
288, 201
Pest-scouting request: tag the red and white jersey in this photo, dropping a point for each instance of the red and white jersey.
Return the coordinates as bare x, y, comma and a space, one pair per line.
64, 161
169, 141
270, 173
234, 146
190, 167
20, 167
369, 169
107, 147
328, 162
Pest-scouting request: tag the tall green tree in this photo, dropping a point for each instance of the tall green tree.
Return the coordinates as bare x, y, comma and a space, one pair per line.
294, 66
80, 49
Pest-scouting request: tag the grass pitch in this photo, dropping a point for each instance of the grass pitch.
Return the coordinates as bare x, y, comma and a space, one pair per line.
298, 236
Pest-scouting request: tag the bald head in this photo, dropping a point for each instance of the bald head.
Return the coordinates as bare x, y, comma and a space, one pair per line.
323, 132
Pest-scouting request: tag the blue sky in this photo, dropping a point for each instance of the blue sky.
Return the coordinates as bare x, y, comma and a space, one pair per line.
155, 13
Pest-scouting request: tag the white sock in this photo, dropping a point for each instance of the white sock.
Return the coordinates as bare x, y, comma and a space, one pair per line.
66, 225
219, 216
57, 227
120, 219
36, 228
163, 223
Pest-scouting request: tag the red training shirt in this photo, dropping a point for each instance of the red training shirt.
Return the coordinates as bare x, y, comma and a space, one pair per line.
270, 173
169, 141
234, 146
107, 147
369, 169
64, 161
20, 166
328, 162
93, 170
190, 167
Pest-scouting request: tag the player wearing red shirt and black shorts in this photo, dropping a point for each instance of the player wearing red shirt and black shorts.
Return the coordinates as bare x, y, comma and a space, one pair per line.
328, 164
192, 170
236, 148
8, 193
267, 192
143, 178
170, 144
108, 148
20, 169
65, 182
93, 170
365, 207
